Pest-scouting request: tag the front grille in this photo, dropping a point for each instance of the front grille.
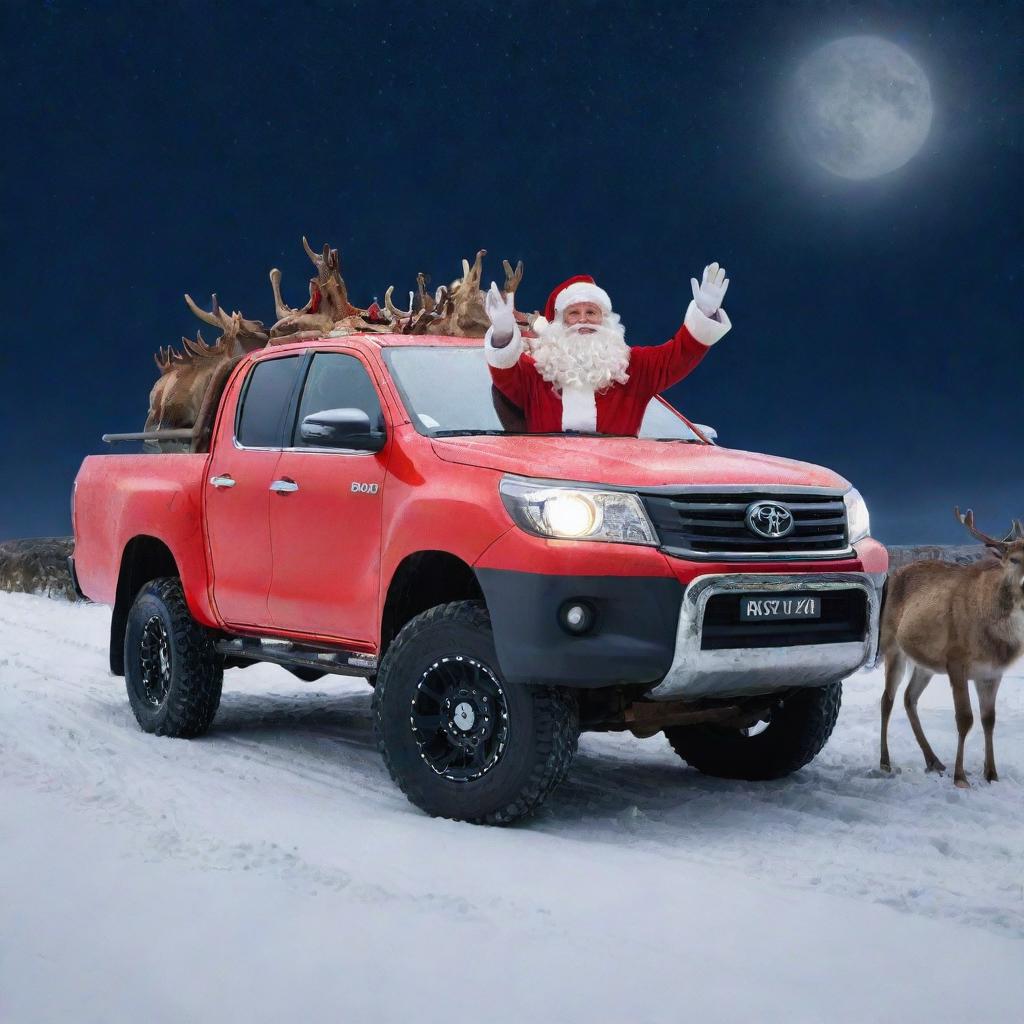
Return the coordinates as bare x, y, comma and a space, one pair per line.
715, 524
844, 619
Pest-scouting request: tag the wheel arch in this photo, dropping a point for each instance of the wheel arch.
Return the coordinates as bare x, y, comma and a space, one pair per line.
144, 558
421, 580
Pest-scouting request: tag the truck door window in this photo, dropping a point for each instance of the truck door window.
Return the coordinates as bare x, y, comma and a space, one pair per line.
337, 381
261, 421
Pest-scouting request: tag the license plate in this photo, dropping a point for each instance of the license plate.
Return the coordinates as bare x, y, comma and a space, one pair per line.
769, 609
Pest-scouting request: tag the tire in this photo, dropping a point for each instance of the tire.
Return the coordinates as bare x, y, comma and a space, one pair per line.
799, 726
491, 768
172, 673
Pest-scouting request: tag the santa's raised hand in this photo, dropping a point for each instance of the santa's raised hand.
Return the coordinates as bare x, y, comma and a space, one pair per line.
709, 293
499, 309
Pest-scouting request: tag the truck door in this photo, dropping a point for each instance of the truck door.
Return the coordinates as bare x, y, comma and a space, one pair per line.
237, 490
325, 522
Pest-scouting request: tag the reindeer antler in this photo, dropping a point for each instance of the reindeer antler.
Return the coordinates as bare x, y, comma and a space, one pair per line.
166, 358
249, 335
967, 520
197, 348
471, 275
425, 300
512, 277
327, 262
397, 313
215, 318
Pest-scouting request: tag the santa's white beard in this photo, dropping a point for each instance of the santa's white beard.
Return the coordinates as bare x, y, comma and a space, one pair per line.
565, 357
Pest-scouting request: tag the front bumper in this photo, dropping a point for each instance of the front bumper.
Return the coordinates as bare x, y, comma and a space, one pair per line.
728, 672
650, 630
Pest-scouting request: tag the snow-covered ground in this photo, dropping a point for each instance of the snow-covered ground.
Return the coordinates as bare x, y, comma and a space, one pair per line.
271, 872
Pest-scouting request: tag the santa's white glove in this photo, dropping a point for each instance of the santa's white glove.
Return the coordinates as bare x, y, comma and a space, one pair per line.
499, 311
709, 294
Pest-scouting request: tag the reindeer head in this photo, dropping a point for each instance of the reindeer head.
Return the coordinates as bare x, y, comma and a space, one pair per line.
328, 298
329, 283
1009, 550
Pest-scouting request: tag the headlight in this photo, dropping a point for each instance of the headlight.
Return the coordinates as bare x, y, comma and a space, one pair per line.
577, 513
857, 519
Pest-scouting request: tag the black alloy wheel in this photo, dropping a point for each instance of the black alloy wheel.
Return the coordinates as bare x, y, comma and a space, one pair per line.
172, 672
155, 661
459, 740
460, 718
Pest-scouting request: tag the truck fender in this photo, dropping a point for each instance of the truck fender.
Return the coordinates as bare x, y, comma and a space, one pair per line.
143, 559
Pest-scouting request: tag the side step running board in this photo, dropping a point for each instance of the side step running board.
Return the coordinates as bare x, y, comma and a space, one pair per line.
284, 652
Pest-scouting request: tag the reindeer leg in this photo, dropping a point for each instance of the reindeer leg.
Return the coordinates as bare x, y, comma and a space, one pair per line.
918, 681
964, 721
987, 689
895, 668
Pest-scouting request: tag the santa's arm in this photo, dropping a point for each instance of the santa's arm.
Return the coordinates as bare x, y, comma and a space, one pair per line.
665, 365
503, 345
705, 323
502, 350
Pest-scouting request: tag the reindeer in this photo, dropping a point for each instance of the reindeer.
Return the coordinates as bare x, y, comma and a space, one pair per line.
177, 398
964, 620
328, 299
180, 397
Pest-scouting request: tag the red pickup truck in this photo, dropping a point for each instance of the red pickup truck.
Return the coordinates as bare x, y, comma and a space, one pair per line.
364, 505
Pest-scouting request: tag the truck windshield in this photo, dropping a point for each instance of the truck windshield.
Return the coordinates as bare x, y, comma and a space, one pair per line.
447, 390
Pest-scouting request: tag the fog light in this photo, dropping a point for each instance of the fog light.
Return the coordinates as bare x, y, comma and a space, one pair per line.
576, 617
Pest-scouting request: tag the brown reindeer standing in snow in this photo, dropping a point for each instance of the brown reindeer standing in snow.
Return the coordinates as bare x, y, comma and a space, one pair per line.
964, 620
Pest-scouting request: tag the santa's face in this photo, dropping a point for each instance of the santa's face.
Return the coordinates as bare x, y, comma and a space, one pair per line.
585, 348
585, 316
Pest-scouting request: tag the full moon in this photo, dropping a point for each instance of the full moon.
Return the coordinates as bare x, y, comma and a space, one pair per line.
862, 106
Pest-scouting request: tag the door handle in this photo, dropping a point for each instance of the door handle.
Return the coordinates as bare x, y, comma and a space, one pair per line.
284, 486
222, 481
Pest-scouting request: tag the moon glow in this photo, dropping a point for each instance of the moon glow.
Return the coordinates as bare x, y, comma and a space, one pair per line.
862, 107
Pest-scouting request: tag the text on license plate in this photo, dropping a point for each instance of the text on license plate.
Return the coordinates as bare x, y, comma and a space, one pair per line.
767, 608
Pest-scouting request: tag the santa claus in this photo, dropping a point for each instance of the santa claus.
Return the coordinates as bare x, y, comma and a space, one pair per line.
579, 373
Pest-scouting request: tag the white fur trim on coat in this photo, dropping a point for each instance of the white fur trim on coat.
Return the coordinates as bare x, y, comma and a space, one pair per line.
581, 291
506, 357
579, 409
706, 329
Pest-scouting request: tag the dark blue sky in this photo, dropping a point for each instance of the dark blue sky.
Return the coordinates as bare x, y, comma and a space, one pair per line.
153, 149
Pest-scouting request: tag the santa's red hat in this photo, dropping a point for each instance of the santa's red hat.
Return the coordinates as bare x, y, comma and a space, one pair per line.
580, 288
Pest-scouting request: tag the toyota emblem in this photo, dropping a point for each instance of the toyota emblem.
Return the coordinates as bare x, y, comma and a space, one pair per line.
769, 519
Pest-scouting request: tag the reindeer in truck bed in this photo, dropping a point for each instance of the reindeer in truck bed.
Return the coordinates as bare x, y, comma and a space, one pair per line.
964, 620
185, 394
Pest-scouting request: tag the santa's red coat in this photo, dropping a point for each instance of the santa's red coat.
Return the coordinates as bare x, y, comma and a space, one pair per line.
620, 408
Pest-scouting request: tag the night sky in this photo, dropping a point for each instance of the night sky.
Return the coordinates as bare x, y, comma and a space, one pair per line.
154, 149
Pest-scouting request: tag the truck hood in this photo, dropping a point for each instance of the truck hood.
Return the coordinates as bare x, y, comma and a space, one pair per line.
631, 462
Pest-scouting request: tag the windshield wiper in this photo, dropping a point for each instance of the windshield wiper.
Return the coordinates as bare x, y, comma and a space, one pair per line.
573, 433
470, 433
524, 433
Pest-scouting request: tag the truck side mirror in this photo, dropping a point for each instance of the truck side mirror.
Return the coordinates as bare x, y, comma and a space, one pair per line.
709, 432
341, 428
